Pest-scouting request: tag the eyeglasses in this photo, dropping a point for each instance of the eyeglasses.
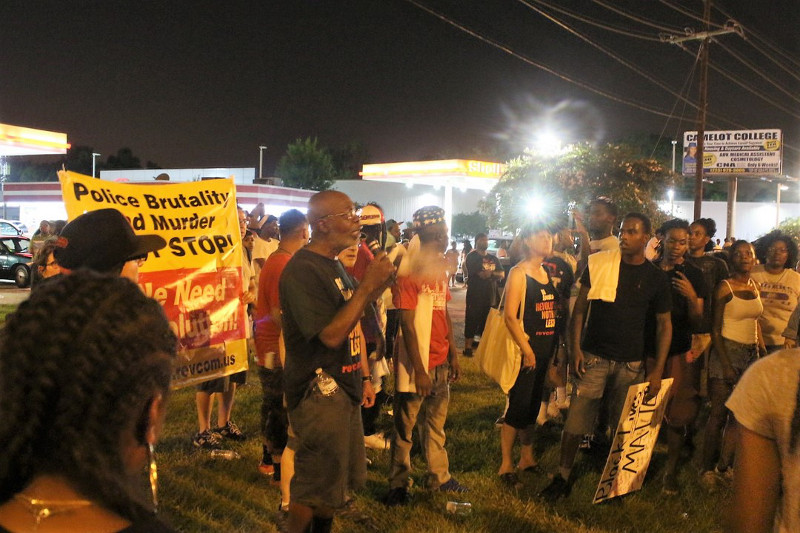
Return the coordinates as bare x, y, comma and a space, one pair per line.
352, 214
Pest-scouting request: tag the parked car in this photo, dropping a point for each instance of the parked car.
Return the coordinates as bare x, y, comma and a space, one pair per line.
15, 259
7, 227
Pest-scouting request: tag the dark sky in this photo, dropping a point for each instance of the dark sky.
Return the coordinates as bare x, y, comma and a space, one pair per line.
193, 84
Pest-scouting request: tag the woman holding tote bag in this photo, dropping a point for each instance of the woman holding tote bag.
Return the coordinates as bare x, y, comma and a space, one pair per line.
536, 334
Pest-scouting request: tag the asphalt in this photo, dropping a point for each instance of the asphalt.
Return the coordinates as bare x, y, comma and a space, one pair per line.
11, 295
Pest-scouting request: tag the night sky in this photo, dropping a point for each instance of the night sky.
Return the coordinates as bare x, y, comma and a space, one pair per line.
197, 84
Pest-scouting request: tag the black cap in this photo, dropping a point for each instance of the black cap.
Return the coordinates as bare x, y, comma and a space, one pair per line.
102, 240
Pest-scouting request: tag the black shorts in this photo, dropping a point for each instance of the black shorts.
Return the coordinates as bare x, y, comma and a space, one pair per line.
475, 319
328, 441
222, 384
525, 397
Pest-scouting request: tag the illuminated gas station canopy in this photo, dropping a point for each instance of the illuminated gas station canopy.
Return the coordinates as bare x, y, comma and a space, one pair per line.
17, 140
460, 173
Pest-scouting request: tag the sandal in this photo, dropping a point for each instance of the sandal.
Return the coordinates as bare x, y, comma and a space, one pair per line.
511, 480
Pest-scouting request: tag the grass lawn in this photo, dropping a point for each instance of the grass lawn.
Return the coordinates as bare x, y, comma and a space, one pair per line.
5, 309
201, 494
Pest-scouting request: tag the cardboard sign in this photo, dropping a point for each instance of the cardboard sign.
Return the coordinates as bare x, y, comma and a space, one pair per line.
634, 441
197, 277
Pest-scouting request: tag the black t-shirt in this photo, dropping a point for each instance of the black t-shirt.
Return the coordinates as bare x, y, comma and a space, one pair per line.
312, 290
616, 330
681, 326
482, 291
714, 270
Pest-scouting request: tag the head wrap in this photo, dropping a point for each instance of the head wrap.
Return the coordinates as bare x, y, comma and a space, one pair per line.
428, 215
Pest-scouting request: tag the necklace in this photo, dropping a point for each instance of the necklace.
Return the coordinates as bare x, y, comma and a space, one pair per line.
42, 509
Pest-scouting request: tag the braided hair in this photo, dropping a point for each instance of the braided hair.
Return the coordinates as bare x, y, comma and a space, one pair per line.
80, 362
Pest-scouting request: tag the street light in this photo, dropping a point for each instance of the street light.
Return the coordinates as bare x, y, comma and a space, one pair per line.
548, 143
674, 142
95, 155
261, 149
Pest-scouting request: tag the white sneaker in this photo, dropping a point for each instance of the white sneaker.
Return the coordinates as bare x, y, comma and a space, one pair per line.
376, 441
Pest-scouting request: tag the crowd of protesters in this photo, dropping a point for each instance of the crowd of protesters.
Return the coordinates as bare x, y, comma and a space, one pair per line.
341, 300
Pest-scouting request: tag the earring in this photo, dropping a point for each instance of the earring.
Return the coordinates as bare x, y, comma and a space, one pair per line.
152, 472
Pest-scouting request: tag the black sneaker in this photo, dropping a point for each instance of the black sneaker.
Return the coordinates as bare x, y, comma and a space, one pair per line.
230, 431
282, 519
670, 485
397, 496
558, 488
207, 440
451, 485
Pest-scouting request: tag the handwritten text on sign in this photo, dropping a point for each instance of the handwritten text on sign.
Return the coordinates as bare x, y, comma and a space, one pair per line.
633, 443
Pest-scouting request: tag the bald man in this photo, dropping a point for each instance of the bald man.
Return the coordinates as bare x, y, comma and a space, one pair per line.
321, 310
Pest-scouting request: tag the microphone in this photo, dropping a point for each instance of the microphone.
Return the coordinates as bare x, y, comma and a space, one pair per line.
374, 246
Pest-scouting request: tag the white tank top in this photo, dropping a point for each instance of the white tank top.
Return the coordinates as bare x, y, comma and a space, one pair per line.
740, 317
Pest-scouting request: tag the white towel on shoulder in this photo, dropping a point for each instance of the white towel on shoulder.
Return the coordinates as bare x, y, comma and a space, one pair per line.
604, 275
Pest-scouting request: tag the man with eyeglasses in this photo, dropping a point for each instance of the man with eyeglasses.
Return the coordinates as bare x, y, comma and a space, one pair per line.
321, 309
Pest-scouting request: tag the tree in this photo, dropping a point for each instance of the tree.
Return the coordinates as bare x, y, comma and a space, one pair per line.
468, 224
122, 161
349, 160
306, 165
536, 186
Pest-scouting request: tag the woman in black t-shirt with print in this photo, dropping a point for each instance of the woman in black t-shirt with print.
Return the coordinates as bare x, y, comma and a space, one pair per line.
537, 336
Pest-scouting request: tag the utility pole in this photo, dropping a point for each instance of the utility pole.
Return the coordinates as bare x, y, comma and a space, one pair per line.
705, 36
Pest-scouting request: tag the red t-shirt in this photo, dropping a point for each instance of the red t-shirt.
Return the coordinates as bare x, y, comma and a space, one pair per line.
363, 259
267, 333
404, 296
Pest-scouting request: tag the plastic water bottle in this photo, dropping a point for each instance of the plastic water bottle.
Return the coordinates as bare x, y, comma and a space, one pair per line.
324, 383
229, 455
459, 508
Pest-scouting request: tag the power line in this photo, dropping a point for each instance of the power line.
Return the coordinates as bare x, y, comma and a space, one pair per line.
688, 13
591, 22
636, 18
751, 33
763, 75
529, 61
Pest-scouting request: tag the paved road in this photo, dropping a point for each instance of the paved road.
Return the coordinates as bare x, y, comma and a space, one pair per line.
10, 294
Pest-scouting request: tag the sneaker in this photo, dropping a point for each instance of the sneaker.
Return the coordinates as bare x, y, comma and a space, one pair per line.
266, 469
396, 496
670, 485
467, 352
451, 485
282, 518
207, 440
231, 431
558, 488
376, 441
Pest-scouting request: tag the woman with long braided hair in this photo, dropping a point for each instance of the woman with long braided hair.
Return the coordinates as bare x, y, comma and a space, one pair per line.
85, 368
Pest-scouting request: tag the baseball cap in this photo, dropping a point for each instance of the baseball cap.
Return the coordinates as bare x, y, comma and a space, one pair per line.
370, 215
101, 240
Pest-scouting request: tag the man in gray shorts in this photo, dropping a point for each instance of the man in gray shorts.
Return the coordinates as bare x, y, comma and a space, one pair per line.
609, 356
321, 310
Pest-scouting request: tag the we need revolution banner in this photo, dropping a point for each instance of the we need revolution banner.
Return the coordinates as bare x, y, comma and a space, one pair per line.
197, 277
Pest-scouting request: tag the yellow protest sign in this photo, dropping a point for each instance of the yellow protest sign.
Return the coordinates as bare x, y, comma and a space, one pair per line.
634, 441
197, 277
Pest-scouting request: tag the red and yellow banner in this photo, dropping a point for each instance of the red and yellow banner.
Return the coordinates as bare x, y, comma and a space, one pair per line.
197, 277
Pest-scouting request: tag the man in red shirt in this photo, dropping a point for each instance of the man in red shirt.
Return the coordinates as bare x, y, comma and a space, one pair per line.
274, 424
426, 368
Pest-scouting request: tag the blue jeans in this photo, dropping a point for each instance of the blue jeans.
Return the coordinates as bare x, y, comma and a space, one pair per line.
603, 378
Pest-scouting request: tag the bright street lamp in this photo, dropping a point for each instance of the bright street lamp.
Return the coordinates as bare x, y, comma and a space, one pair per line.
548, 143
671, 196
95, 155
